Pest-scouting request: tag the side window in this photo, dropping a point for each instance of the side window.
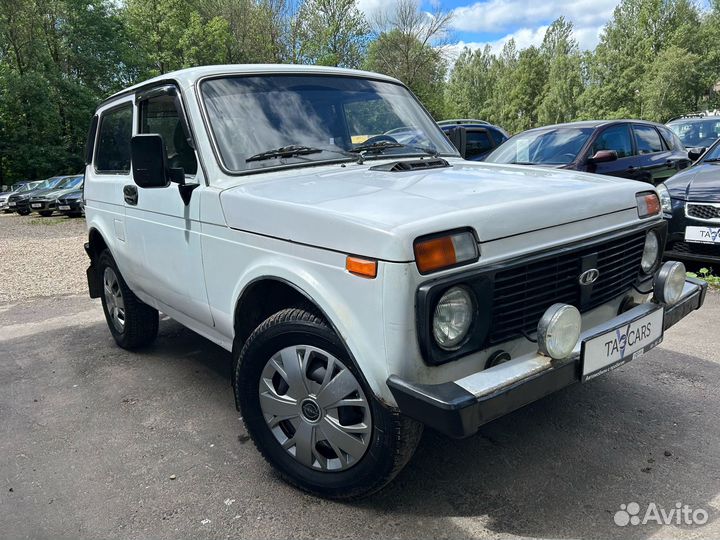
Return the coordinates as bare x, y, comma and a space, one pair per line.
112, 154
160, 115
478, 142
614, 138
647, 139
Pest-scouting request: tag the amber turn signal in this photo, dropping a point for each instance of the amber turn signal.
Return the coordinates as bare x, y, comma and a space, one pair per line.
648, 204
438, 252
366, 268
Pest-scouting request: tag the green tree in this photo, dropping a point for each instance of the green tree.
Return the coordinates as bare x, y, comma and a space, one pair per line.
331, 33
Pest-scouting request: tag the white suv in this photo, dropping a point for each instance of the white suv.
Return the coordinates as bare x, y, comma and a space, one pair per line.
317, 223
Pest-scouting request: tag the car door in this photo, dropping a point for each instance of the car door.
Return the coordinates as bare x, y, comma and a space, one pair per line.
163, 232
616, 137
655, 161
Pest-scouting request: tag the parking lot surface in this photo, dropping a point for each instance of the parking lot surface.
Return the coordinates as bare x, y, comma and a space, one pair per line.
98, 442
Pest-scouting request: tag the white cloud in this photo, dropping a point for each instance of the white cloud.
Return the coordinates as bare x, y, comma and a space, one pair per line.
504, 15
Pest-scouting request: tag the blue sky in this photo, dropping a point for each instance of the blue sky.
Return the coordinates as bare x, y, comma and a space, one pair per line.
494, 22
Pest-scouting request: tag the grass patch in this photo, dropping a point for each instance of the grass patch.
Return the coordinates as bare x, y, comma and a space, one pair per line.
706, 274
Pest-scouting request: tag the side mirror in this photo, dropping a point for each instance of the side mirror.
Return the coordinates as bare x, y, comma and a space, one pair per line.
149, 161
458, 136
695, 153
603, 156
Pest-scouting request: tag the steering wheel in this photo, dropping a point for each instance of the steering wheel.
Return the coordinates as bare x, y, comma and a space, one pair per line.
380, 138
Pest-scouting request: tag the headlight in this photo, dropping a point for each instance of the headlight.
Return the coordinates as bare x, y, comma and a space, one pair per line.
651, 252
665, 201
452, 318
669, 282
559, 330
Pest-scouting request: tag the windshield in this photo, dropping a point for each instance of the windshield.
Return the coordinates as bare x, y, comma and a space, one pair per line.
69, 182
698, 132
556, 146
713, 153
320, 118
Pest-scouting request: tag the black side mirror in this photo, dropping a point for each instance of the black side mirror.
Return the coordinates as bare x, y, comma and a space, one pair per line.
603, 156
695, 153
149, 161
458, 136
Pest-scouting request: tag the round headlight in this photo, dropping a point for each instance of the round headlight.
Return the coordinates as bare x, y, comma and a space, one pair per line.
452, 318
651, 252
559, 330
669, 282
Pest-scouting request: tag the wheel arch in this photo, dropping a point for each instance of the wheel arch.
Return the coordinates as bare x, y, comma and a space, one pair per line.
283, 293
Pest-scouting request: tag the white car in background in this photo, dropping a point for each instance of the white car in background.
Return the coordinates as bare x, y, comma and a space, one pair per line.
364, 286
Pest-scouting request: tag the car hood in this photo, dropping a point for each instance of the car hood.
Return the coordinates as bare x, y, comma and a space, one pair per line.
71, 193
354, 209
700, 183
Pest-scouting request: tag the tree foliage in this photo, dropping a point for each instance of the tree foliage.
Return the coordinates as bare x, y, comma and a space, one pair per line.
59, 58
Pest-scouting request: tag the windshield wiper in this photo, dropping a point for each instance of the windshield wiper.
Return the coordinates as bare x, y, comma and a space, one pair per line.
380, 146
285, 151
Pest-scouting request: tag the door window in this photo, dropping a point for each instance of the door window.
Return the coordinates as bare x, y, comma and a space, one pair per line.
112, 154
160, 115
614, 138
478, 142
647, 139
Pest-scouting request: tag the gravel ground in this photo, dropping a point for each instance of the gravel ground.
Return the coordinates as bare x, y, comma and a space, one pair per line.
41, 256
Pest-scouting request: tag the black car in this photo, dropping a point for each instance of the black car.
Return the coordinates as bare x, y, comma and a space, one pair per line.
633, 149
71, 203
44, 202
697, 130
691, 201
481, 137
19, 201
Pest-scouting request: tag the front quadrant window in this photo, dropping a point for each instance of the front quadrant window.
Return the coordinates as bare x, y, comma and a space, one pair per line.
112, 153
160, 115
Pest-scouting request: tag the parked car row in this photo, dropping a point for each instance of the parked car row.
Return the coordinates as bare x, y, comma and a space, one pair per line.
673, 157
63, 194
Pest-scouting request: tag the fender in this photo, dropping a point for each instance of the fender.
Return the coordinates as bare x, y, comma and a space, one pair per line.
349, 321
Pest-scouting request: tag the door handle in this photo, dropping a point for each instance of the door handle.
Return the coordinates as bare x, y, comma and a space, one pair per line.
130, 193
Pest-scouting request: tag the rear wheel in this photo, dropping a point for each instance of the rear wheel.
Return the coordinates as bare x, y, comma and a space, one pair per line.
132, 323
311, 414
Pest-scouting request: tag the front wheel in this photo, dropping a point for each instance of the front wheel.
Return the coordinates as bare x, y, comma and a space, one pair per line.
23, 212
310, 413
132, 323
46, 213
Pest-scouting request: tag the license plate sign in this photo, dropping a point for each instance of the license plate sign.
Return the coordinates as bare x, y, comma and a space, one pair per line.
36, 205
63, 207
12, 204
702, 235
618, 346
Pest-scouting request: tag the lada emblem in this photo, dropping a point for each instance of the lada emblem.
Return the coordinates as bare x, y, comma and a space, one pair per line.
588, 277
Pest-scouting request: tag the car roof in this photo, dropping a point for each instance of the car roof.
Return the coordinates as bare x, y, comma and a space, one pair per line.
594, 124
694, 119
189, 76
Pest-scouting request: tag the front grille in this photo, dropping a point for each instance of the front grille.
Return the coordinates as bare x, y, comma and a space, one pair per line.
703, 211
523, 293
712, 250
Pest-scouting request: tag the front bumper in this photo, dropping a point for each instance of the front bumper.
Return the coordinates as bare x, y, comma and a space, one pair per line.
41, 205
459, 408
72, 204
677, 248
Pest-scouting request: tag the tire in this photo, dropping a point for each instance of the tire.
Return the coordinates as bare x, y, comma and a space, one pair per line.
389, 439
46, 213
132, 323
24, 212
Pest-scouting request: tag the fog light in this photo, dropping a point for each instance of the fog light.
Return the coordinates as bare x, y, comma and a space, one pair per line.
558, 331
669, 282
651, 252
453, 317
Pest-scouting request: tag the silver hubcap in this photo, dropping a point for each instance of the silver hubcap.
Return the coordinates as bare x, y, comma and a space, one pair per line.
315, 408
113, 299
